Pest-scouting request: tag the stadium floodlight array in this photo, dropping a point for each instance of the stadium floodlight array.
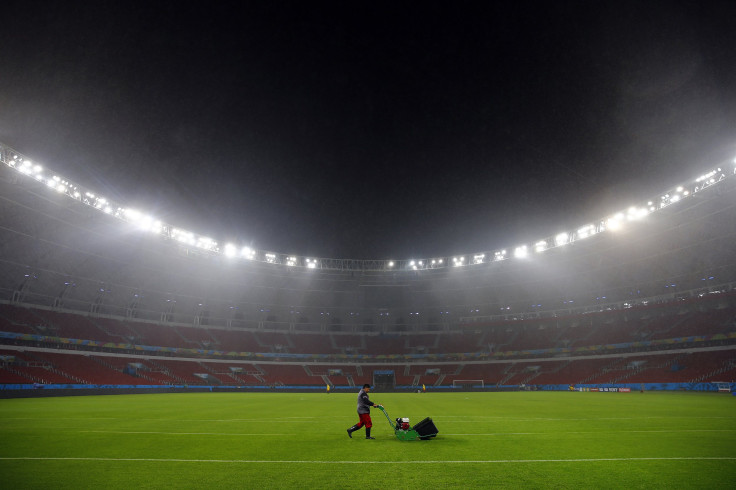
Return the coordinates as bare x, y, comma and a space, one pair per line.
149, 224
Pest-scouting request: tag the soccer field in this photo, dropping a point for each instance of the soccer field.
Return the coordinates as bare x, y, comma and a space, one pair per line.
292, 440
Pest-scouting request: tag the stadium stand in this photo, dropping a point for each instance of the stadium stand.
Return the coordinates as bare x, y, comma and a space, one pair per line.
86, 298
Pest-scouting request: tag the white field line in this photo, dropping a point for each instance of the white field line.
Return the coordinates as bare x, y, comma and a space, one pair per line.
495, 434
469, 419
556, 434
472, 420
281, 419
264, 461
179, 433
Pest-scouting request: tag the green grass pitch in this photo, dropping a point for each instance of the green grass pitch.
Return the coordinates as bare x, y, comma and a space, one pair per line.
292, 440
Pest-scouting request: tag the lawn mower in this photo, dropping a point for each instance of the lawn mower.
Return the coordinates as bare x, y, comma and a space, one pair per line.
423, 430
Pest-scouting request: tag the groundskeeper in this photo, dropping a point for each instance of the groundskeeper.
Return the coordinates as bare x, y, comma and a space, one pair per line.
364, 412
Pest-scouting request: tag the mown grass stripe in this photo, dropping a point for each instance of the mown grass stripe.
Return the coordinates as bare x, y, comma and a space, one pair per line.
297, 461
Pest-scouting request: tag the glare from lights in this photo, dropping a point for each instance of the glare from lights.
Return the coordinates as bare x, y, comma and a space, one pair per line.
247, 253
707, 176
230, 251
132, 215
562, 239
585, 232
183, 236
206, 243
615, 222
635, 213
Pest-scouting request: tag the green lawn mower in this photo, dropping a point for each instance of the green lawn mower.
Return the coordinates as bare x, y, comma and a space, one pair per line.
424, 430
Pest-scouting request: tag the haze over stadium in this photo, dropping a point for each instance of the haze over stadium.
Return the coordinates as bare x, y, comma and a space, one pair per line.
371, 131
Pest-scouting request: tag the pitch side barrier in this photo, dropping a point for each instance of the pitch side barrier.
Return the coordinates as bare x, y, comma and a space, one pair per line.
636, 387
51, 390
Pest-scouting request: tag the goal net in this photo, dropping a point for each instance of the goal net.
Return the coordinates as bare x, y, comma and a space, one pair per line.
723, 386
467, 383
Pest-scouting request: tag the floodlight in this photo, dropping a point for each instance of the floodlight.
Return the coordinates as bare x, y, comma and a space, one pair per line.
478, 258
705, 177
291, 261
248, 253
520, 252
562, 239
614, 222
270, 258
501, 255
391, 264
183, 236
540, 246
230, 250
634, 213
311, 263
132, 214
585, 232
206, 243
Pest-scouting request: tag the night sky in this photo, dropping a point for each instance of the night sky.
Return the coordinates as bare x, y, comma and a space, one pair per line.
371, 129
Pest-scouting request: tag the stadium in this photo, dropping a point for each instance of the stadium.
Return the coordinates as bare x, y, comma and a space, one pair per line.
97, 296
514, 221
100, 299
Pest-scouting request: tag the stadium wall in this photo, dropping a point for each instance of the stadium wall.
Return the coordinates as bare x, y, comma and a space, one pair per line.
42, 391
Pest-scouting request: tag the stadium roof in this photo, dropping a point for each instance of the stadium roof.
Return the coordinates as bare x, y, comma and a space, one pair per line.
343, 130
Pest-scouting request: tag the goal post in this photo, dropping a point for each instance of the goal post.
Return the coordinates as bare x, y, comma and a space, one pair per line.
467, 383
722, 386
